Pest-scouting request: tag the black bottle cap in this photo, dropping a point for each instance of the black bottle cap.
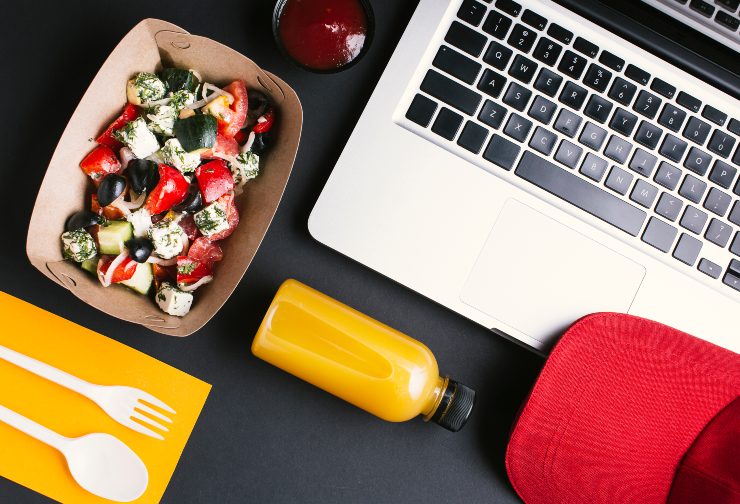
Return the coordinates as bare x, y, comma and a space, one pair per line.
455, 407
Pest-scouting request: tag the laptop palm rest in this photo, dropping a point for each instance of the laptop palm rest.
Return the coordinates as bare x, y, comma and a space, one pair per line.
538, 276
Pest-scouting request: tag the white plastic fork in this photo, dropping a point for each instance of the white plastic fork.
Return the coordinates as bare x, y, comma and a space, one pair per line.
123, 404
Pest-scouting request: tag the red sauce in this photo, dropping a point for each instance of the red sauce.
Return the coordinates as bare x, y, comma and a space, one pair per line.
323, 34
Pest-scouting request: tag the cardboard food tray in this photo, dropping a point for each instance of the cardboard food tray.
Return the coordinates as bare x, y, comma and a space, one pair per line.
66, 189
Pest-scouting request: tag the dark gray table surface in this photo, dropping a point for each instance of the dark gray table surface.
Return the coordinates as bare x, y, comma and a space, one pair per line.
264, 436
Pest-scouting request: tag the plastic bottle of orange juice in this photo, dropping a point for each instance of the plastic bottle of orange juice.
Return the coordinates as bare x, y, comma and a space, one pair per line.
355, 357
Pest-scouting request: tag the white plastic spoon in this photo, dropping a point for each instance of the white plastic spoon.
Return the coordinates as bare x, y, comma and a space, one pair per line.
100, 463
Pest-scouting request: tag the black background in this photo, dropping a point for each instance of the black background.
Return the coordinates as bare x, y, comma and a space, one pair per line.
263, 436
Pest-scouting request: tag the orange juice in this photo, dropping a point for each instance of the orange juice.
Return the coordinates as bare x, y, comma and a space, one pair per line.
355, 357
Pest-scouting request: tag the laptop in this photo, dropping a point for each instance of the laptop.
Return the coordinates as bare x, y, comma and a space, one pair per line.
524, 166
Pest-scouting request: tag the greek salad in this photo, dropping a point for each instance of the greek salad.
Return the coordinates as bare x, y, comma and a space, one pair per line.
165, 176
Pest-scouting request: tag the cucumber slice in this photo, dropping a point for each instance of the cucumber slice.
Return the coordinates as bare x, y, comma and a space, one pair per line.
91, 265
112, 237
177, 79
141, 282
196, 132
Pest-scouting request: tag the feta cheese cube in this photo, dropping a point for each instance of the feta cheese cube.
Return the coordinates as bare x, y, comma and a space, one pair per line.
145, 87
174, 155
245, 167
141, 220
162, 119
212, 219
173, 301
168, 238
78, 245
138, 138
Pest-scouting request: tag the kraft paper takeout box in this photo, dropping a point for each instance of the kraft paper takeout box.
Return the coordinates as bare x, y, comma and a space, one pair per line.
66, 189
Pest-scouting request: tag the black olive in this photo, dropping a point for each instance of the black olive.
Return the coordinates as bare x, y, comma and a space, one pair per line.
142, 174
139, 249
261, 142
110, 188
258, 104
82, 219
193, 200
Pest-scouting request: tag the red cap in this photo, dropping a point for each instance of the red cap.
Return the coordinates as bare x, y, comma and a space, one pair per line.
615, 410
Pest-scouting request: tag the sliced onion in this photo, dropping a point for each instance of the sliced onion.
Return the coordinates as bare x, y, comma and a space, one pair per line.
192, 287
106, 279
126, 156
135, 203
163, 101
248, 145
196, 74
162, 262
119, 203
207, 99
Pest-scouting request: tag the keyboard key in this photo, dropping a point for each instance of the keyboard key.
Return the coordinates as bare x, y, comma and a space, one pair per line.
560, 34
722, 174
517, 96
592, 136
594, 167
697, 161
623, 122
612, 61
547, 51
731, 5
523, 69
508, 6
501, 152
584, 46
718, 233
472, 137
542, 109
717, 201
659, 234
637, 74
597, 77
734, 267
702, 7
735, 214
727, 20
573, 95
582, 194
716, 116
692, 188
663, 88
456, 64
668, 206
452, 93
598, 108
617, 149
492, 114
421, 110
619, 180
736, 160
732, 281
696, 130
522, 38
567, 122
668, 175
497, 25
518, 127
672, 117
687, 249
465, 38
709, 268
644, 193
734, 125
622, 91
693, 219
688, 101
543, 141
673, 148
492, 83
721, 143
735, 249
471, 12
647, 104
548, 82
648, 135
643, 163
497, 55
572, 64
568, 153
447, 123
534, 20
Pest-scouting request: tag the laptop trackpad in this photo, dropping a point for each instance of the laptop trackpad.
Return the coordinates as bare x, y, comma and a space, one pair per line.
538, 275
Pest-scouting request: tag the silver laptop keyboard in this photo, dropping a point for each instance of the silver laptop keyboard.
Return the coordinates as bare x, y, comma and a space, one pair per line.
531, 98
